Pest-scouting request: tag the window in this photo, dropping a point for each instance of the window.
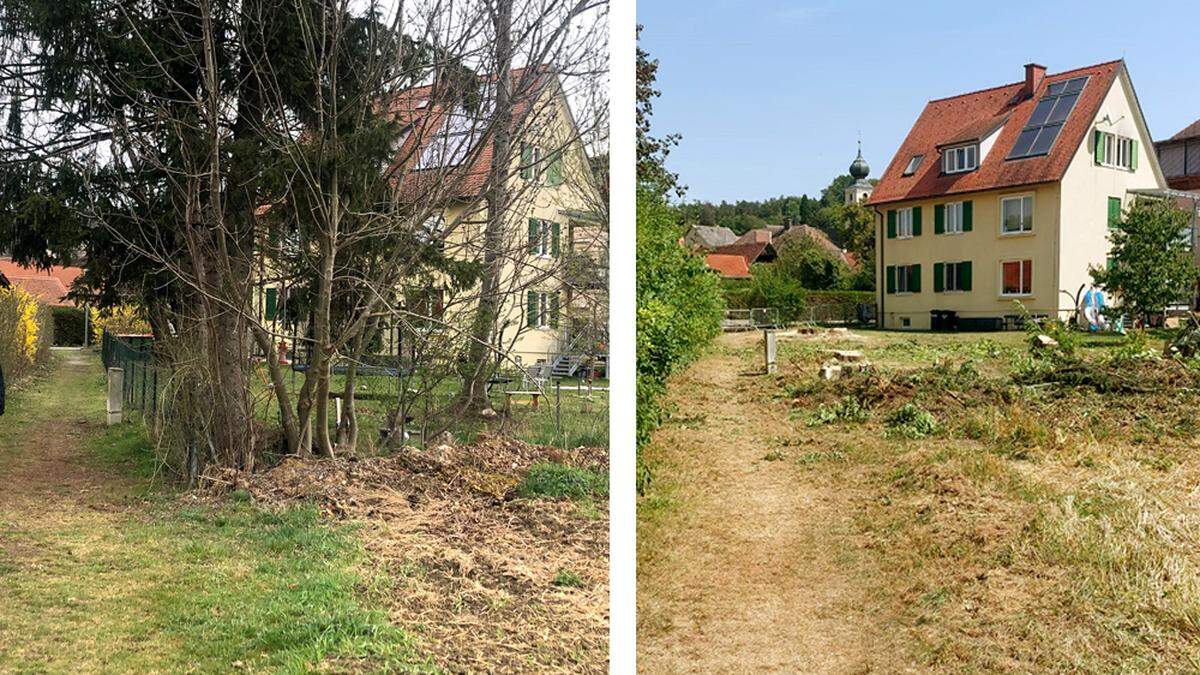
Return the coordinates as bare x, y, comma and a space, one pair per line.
1114, 211
954, 218
453, 141
531, 158
913, 165
1016, 277
952, 276
1116, 151
431, 231
541, 309
903, 279
272, 304
543, 238
960, 159
426, 306
1016, 214
1051, 112
904, 223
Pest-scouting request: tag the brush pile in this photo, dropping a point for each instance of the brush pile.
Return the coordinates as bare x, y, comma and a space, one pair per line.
474, 571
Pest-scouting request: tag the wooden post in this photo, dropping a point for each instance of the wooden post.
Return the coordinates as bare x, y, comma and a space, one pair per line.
116, 385
769, 350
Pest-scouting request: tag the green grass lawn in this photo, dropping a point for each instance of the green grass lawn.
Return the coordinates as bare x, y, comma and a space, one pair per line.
119, 574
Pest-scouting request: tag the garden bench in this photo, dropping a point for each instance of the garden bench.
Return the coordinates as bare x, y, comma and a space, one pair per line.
508, 395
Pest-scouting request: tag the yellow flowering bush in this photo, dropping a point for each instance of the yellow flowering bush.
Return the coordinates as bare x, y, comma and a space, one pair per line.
26, 332
122, 319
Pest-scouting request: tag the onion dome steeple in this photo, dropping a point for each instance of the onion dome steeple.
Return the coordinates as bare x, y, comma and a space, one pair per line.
859, 167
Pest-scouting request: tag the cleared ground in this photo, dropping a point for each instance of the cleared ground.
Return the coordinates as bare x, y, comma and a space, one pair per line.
963, 506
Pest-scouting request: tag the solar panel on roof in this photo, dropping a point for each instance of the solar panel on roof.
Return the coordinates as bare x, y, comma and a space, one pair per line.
1048, 118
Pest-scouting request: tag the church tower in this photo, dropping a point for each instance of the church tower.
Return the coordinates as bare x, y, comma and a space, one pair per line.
860, 189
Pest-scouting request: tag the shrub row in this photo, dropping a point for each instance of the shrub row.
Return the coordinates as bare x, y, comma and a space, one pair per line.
26, 333
679, 310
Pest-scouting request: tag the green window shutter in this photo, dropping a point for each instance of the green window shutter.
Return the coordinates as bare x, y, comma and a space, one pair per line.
272, 303
554, 310
533, 236
527, 168
939, 277
1133, 156
554, 170
891, 232
967, 213
891, 279
939, 219
916, 215
914, 278
1099, 135
1114, 211
964, 275
531, 309
556, 230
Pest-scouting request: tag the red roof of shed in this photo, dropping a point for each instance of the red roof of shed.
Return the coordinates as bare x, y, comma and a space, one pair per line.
728, 266
968, 115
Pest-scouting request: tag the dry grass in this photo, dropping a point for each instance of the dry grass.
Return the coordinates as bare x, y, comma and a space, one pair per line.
485, 579
1052, 527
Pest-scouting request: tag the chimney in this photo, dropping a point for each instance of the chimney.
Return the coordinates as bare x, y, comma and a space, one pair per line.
1034, 74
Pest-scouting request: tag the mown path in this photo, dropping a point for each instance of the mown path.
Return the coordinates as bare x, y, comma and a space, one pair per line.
105, 569
747, 564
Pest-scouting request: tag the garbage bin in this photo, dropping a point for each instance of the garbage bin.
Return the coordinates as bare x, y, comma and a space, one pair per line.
935, 319
950, 320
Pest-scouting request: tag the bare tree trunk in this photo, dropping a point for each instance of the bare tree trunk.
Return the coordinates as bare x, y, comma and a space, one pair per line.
479, 357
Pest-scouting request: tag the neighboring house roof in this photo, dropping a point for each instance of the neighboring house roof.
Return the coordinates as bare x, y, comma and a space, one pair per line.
49, 286
818, 236
753, 252
966, 116
1190, 131
759, 235
728, 266
708, 237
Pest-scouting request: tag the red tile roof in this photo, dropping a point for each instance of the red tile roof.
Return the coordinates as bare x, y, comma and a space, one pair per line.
728, 266
50, 286
958, 117
1190, 131
426, 109
749, 251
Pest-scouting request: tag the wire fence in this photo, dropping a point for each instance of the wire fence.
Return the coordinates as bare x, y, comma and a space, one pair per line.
554, 411
143, 378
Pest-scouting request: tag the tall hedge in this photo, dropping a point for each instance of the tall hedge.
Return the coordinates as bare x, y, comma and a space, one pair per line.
679, 309
69, 325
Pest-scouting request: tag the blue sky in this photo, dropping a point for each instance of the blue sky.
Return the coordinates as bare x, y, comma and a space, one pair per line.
770, 96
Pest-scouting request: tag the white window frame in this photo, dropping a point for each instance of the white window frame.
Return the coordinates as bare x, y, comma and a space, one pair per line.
913, 164
1118, 151
1026, 217
946, 277
543, 317
954, 218
905, 269
960, 159
1021, 262
535, 164
904, 223
545, 247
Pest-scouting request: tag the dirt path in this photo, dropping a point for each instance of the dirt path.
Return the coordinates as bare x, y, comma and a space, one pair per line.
41, 459
747, 564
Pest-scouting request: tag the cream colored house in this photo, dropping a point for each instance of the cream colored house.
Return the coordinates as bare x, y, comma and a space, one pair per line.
1007, 194
552, 222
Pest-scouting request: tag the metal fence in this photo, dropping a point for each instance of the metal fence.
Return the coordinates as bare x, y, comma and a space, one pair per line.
135, 356
750, 319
